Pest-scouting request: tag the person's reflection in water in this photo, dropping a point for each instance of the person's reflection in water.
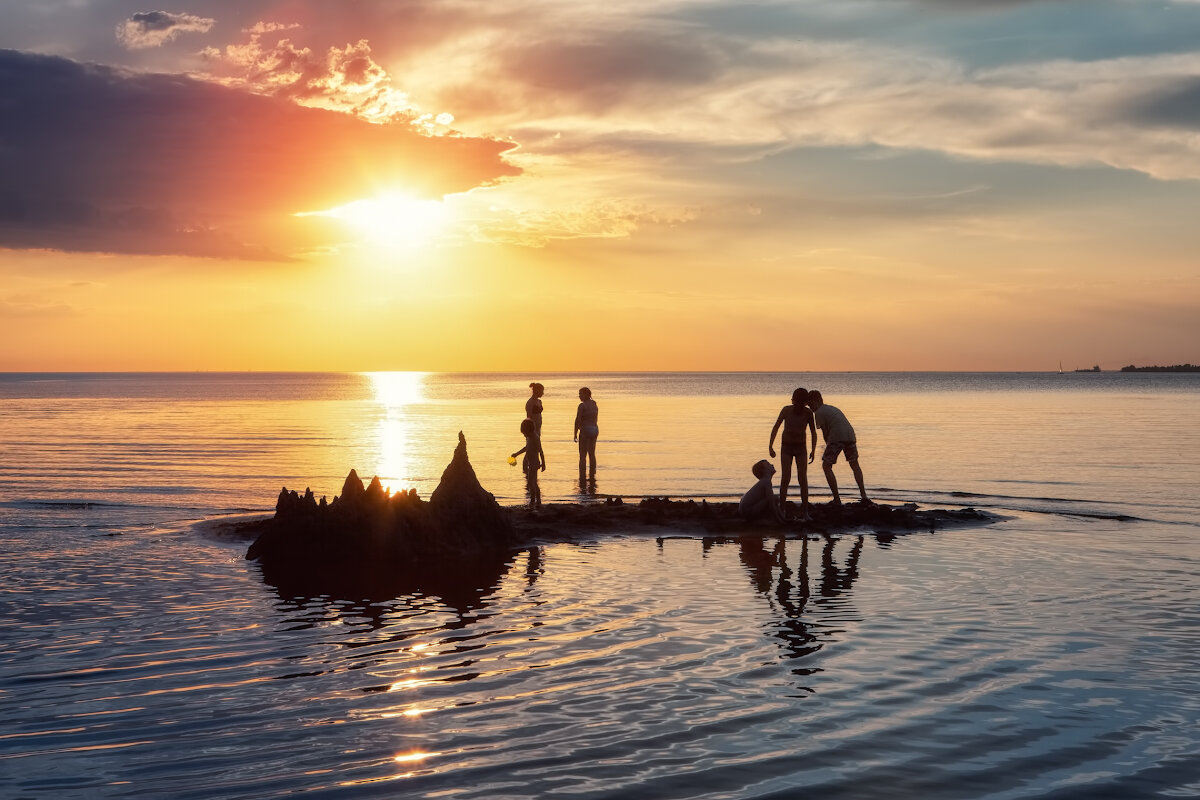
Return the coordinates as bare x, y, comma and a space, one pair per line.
790, 592
788, 595
533, 566
760, 562
835, 581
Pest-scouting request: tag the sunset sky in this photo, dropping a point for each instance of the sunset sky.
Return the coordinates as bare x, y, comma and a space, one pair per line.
593, 186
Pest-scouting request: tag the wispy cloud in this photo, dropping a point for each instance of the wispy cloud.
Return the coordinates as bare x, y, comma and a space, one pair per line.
27, 306
155, 28
763, 96
537, 227
343, 79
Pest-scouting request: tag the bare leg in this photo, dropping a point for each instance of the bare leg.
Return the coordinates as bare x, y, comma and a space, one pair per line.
535, 492
587, 459
785, 478
802, 475
858, 476
831, 480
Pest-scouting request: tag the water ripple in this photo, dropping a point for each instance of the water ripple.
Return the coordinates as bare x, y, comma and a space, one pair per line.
159, 665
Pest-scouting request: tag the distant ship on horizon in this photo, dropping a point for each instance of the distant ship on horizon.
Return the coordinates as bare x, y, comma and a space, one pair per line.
1093, 369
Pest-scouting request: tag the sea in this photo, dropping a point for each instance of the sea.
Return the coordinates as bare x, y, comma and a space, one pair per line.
1054, 653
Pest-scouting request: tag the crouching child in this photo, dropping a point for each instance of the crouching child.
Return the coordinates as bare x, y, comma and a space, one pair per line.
759, 502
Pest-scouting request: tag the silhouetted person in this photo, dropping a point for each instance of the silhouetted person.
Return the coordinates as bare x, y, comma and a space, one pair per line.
794, 419
535, 459
839, 438
586, 431
759, 502
533, 406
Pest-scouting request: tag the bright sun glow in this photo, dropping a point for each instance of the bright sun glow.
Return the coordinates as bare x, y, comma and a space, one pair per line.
396, 392
393, 219
393, 389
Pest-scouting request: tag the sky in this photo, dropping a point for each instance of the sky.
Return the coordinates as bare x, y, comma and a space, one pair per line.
550, 185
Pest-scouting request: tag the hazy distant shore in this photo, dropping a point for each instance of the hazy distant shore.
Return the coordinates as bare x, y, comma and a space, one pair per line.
1173, 368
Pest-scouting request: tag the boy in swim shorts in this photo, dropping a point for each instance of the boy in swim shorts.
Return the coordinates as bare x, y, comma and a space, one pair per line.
839, 438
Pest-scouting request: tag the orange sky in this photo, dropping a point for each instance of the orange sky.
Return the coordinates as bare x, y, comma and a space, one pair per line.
271, 186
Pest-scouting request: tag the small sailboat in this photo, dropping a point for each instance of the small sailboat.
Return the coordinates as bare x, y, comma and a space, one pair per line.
1060, 372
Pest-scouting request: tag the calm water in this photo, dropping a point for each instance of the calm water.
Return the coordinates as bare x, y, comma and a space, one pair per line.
1051, 655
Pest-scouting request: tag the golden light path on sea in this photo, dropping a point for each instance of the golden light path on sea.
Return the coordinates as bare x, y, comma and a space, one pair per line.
396, 392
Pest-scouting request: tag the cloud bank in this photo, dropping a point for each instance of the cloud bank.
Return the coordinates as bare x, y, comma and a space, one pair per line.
97, 159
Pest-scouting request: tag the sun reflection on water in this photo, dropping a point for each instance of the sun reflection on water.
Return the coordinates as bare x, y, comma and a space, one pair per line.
417, 756
396, 392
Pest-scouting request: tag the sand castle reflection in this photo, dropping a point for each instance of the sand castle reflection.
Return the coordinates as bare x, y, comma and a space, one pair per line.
790, 590
370, 595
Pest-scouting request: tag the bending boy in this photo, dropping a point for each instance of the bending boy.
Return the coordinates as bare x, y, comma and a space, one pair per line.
839, 438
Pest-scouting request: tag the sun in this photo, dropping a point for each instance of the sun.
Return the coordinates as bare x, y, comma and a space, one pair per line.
391, 219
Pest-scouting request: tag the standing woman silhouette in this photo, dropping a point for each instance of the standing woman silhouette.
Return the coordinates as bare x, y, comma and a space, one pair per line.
533, 406
586, 432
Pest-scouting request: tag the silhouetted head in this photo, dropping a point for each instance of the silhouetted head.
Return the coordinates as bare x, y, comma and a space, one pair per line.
585, 393
538, 389
815, 400
527, 427
763, 469
800, 396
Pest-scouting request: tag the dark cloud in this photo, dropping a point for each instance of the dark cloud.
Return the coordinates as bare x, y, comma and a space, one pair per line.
92, 158
1176, 105
155, 28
